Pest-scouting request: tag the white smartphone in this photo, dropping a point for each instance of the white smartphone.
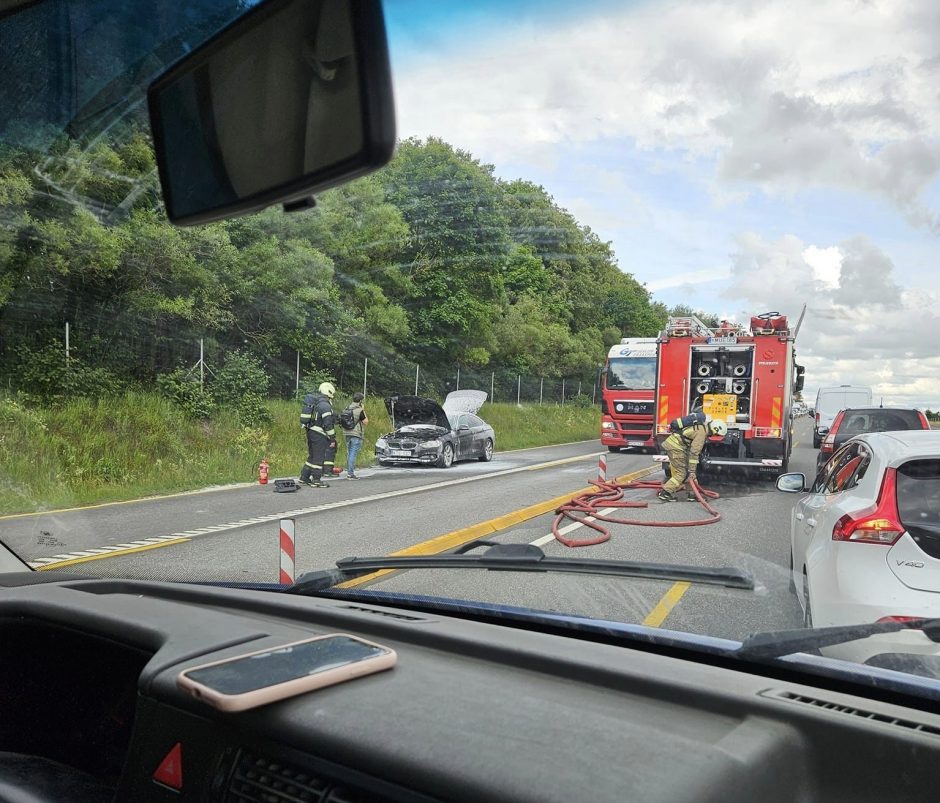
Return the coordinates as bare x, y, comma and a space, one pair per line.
264, 676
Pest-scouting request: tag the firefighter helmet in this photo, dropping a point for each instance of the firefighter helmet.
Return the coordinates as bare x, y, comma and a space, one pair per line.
327, 389
718, 428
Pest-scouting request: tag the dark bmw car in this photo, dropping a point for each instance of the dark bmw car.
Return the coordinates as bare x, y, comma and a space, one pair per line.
427, 432
856, 421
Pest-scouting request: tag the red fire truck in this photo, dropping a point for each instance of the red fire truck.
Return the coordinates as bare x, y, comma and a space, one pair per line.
628, 387
744, 376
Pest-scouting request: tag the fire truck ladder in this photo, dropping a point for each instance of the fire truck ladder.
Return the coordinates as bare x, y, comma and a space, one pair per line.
686, 326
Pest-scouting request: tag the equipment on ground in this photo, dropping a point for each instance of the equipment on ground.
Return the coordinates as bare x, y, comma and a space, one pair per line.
286, 485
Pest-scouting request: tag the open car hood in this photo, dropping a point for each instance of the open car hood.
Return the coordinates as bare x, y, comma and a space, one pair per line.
464, 401
406, 410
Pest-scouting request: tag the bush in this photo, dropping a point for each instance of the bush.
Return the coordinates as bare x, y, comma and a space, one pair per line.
242, 384
44, 375
183, 388
311, 380
581, 401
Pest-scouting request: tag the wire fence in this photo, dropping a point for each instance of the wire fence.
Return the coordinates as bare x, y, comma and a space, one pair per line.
365, 366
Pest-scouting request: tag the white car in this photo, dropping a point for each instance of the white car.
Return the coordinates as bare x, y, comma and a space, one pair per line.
865, 541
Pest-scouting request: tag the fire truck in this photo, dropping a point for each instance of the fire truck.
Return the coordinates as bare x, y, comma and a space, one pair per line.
628, 387
744, 376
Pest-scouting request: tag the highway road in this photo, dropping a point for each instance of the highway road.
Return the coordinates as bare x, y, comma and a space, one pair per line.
232, 535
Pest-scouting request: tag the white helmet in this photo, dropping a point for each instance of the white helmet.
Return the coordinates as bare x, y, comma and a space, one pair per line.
716, 427
327, 389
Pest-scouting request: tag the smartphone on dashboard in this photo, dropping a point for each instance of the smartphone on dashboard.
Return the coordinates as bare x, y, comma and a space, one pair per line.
275, 673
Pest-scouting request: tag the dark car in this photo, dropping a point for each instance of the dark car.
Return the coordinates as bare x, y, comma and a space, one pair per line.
858, 420
427, 432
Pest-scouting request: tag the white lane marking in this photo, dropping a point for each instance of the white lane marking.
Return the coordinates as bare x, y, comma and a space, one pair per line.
235, 525
569, 527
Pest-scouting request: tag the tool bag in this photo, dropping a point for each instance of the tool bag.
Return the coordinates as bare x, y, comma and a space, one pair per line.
347, 418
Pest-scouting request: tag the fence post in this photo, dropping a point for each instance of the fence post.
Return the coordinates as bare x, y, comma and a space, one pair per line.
518, 388
541, 386
417, 372
492, 387
562, 391
458, 378
365, 375
594, 394
579, 387
297, 383
66, 344
202, 364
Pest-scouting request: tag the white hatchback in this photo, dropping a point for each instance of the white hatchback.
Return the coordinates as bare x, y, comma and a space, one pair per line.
865, 541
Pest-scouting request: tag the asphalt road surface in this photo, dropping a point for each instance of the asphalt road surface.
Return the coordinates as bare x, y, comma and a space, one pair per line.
232, 535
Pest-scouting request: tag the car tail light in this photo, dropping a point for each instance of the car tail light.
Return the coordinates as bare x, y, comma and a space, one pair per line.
878, 524
828, 443
899, 619
923, 420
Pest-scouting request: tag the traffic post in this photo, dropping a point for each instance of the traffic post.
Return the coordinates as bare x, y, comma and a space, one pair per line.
287, 552
602, 468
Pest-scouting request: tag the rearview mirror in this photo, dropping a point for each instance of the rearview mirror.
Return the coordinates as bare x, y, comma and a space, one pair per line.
292, 98
791, 483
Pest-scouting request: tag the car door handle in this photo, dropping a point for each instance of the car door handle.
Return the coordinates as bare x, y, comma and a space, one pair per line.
799, 517
811, 522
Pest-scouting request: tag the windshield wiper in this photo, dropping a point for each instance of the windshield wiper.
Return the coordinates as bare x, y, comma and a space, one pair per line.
518, 558
776, 644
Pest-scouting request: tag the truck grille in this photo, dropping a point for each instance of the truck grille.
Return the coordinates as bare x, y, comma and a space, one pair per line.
632, 407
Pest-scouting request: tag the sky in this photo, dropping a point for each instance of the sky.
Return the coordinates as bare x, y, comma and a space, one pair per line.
740, 155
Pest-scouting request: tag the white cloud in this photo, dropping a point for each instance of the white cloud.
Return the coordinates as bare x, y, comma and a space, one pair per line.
862, 329
784, 94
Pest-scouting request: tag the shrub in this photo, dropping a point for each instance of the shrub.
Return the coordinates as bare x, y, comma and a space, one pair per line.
183, 388
44, 375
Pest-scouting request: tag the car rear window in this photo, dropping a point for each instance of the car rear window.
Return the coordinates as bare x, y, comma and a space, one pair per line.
854, 423
918, 491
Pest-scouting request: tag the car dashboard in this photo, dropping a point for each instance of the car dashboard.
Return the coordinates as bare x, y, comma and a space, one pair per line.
473, 710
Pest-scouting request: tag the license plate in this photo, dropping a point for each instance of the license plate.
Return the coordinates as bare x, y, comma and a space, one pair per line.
636, 443
399, 453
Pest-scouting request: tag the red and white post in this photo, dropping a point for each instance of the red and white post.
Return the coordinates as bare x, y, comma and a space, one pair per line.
287, 552
602, 468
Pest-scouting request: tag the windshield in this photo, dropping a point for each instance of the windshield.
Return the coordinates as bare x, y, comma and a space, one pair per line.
631, 373
743, 187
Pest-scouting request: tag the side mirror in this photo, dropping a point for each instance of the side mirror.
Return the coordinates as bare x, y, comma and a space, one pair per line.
463, 427
292, 98
792, 483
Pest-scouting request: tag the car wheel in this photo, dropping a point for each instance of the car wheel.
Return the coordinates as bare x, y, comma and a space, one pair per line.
447, 456
487, 451
807, 611
816, 441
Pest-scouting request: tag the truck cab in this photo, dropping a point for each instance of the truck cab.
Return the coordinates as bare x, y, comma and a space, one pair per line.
628, 384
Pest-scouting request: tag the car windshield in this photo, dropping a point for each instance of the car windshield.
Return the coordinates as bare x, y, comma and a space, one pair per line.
750, 189
631, 373
856, 421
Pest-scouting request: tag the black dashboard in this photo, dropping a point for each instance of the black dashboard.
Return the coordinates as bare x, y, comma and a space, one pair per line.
90, 710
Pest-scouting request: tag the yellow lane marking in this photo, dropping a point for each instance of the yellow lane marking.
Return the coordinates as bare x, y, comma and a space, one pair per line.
127, 501
116, 554
457, 538
664, 607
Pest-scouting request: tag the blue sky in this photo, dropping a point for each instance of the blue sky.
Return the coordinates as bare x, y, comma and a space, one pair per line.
738, 155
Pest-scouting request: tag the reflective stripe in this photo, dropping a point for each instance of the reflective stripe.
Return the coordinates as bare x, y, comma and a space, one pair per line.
318, 429
312, 465
305, 415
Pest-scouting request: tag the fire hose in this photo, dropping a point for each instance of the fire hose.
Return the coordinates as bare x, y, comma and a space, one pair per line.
585, 509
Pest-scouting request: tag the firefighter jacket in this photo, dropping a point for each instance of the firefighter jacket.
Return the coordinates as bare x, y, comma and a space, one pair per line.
691, 441
317, 415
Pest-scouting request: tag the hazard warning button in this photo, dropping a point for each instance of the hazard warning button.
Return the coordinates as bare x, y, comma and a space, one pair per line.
170, 771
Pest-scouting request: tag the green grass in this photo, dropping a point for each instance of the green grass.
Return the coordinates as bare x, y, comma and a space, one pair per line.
140, 444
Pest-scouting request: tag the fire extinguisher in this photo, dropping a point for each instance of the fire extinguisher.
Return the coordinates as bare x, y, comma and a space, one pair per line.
263, 473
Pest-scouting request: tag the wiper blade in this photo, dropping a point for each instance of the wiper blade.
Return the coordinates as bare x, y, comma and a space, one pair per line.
776, 644
519, 558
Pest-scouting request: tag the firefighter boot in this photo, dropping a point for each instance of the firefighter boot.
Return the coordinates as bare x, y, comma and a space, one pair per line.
665, 496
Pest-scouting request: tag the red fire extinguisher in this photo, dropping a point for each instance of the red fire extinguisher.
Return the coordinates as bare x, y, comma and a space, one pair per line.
263, 473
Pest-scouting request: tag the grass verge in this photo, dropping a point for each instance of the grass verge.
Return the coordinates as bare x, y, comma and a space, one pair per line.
91, 451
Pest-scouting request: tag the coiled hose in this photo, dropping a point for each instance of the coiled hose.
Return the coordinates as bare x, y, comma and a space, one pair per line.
609, 493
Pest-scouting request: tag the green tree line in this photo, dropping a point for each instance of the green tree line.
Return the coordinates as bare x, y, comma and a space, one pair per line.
432, 261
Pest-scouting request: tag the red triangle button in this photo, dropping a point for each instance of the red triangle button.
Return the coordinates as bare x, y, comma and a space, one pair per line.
170, 771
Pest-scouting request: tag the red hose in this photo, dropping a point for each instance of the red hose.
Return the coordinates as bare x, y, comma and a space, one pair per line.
610, 494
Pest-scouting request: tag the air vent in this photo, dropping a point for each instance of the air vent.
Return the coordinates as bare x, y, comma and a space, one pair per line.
861, 713
403, 617
256, 779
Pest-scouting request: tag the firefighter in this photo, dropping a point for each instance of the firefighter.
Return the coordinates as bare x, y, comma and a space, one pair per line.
683, 447
317, 419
